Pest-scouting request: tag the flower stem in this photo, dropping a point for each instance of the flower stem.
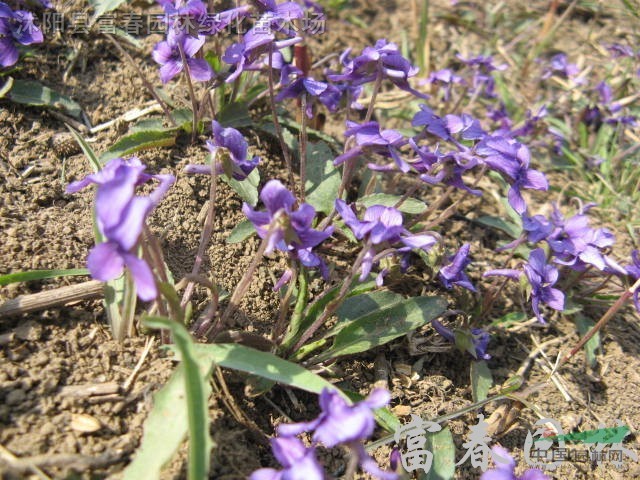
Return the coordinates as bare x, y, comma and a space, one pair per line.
333, 306
192, 94
205, 236
303, 146
604, 320
276, 122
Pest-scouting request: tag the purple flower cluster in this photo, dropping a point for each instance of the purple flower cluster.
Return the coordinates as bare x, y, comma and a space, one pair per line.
382, 225
120, 218
229, 154
541, 277
16, 27
380, 62
287, 229
338, 424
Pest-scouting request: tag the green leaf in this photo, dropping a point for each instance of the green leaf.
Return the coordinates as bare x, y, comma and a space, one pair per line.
510, 319
323, 179
316, 308
161, 438
383, 326
444, 456
241, 232
410, 205
358, 306
140, 140
585, 324
4, 89
120, 304
86, 149
101, 7
263, 364
197, 391
498, 223
31, 275
35, 94
247, 188
481, 380
235, 115
183, 118
146, 124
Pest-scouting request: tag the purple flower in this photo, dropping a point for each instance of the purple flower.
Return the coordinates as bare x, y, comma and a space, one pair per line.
288, 230
576, 244
382, 224
444, 168
446, 79
559, 65
479, 339
342, 424
370, 139
483, 82
167, 54
15, 27
468, 127
453, 272
618, 50
235, 164
511, 158
327, 94
299, 462
537, 227
634, 271
507, 470
432, 123
245, 55
541, 277
383, 60
120, 218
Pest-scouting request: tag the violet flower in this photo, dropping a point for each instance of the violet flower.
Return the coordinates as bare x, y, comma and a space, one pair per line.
167, 54
245, 55
342, 424
235, 164
507, 471
120, 218
541, 277
327, 94
370, 139
633, 270
577, 245
445, 168
16, 27
559, 65
479, 339
384, 61
511, 158
382, 224
298, 461
445, 79
465, 125
453, 272
483, 82
288, 230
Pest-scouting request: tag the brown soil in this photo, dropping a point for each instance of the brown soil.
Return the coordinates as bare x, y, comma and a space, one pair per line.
51, 360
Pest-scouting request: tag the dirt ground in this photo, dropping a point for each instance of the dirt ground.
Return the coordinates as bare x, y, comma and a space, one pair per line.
68, 403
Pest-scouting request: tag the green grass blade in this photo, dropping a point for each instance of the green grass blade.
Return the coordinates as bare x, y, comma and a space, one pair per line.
86, 149
262, 364
197, 393
32, 275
